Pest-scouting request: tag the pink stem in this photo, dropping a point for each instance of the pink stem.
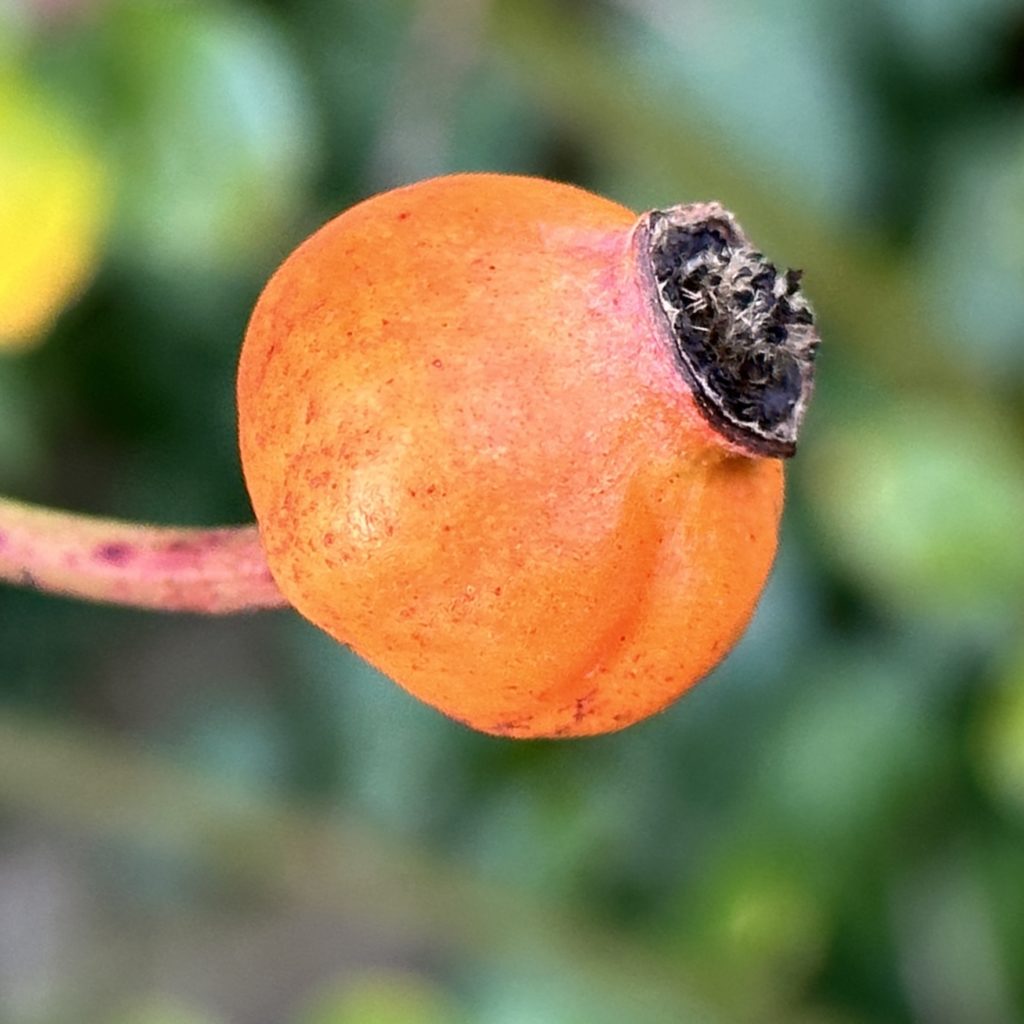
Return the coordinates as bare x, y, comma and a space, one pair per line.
214, 571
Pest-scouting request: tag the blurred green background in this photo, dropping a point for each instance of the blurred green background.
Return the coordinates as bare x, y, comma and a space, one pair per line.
234, 821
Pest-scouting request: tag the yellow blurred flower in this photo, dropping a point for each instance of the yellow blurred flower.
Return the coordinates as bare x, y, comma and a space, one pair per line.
54, 207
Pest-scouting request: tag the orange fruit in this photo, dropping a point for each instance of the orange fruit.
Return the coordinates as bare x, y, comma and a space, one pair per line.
521, 450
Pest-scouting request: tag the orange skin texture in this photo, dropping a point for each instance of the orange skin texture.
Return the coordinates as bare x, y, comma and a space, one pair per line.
473, 459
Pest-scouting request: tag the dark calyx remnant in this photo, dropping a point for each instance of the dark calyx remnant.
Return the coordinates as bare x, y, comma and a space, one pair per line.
743, 332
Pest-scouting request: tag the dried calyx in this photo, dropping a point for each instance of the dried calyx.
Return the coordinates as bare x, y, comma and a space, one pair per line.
743, 332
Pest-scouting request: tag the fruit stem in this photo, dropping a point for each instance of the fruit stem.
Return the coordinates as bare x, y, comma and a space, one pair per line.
210, 571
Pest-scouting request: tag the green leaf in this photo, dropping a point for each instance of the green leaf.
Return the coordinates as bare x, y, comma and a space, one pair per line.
217, 139
973, 261
998, 739
920, 502
391, 998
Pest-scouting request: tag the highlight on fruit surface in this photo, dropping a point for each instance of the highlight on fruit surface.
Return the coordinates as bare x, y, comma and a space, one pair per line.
521, 449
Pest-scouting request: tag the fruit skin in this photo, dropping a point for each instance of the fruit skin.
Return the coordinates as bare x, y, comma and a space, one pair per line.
473, 458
